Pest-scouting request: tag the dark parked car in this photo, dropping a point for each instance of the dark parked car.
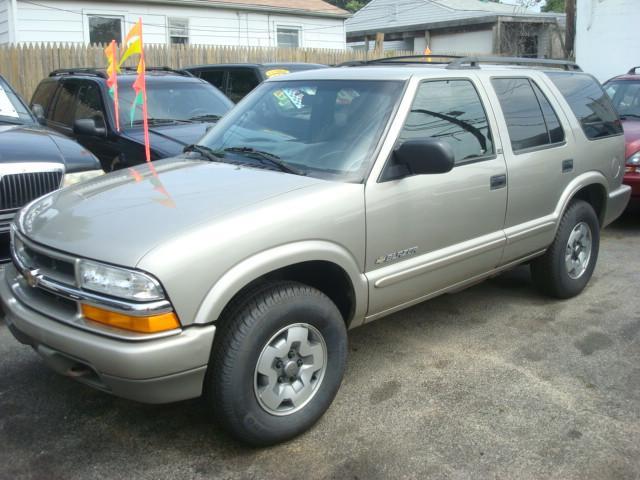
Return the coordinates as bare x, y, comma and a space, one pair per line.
238, 79
181, 108
33, 160
624, 90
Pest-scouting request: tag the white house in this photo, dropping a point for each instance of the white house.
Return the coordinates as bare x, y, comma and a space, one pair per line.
260, 23
457, 26
607, 36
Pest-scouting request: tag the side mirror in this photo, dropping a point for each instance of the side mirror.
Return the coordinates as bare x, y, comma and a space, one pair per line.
38, 112
424, 157
88, 127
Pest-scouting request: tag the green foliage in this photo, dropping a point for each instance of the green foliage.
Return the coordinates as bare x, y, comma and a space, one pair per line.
351, 5
554, 6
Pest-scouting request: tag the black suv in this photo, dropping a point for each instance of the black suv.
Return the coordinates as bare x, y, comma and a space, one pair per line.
77, 103
33, 160
236, 80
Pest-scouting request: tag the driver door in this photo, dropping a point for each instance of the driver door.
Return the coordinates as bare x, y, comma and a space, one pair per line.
426, 233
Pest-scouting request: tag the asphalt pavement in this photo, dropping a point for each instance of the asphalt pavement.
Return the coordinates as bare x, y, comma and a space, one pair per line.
492, 382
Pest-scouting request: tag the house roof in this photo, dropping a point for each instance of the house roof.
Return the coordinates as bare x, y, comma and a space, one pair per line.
404, 15
294, 7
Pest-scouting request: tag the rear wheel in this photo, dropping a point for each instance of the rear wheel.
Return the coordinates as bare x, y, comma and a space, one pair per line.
277, 363
566, 268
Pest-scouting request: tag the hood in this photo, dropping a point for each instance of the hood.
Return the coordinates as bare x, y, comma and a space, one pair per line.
631, 136
33, 143
119, 217
170, 140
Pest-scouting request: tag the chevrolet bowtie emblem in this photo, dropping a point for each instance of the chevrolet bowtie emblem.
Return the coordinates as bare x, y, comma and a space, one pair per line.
32, 277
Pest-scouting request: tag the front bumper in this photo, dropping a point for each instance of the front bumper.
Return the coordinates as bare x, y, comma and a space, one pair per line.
616, 203
161, 370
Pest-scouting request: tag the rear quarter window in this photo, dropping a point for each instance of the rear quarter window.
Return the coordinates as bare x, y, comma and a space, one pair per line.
589, 102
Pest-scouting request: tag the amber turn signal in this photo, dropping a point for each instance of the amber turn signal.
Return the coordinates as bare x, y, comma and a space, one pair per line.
149, 324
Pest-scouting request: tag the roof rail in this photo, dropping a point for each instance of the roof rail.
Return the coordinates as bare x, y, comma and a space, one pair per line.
474, 62
409, 59
184, 73
94, 72
633, 70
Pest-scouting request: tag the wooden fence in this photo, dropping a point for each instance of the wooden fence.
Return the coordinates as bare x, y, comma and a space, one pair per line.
25, 65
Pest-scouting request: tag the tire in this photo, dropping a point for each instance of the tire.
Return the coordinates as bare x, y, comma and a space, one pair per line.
551, 272
268, 320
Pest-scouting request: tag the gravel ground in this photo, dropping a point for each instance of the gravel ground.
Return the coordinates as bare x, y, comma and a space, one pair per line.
492, 382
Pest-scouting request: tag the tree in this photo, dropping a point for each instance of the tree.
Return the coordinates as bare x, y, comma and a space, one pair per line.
554, 6
351, 5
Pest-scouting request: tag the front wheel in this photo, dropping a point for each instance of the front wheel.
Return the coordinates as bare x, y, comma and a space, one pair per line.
566, 268
277, 363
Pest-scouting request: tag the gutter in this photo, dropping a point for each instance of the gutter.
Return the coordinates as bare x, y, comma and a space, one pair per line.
244, 7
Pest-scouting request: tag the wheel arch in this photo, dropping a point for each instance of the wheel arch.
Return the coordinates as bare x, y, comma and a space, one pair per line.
322, 265
592, 187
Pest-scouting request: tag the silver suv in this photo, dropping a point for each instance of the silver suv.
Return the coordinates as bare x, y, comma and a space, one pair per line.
325, 200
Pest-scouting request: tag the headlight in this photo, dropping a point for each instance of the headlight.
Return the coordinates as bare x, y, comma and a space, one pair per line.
634, 160
73, 178
118, 282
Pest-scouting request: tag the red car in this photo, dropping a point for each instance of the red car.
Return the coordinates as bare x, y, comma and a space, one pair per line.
624, 91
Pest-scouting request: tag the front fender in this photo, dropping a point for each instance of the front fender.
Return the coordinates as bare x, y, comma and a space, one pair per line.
267, 261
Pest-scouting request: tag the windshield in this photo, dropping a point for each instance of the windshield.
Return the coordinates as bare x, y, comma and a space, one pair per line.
173, 101
625, 95
323, 128
12, 110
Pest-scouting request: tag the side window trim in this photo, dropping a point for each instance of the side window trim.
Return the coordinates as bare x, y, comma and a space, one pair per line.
532, 82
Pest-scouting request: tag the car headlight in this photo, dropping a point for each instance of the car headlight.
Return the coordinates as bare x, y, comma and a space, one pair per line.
634, 159
118, 282
73, 178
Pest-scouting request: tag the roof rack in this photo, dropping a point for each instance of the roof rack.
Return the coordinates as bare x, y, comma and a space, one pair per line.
474, 62
406, 59
633, 70
94, 72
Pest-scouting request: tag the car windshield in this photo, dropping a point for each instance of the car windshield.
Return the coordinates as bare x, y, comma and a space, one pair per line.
12, 110
324, 128
625, 95
173, 102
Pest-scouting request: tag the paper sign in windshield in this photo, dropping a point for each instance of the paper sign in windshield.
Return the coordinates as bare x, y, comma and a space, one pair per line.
6, 107
276, 72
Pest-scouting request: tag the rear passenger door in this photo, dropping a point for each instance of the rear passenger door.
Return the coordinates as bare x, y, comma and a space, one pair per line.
429, 232
540, 163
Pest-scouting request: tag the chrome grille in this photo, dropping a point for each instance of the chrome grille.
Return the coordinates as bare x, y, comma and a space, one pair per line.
18, 189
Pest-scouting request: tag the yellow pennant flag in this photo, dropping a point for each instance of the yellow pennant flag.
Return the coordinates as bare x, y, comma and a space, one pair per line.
133, 42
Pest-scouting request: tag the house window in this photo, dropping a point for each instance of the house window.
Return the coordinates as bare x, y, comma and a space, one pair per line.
104, 29
288, 37
178, 31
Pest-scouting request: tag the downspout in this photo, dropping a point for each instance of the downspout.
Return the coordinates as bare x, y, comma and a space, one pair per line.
13, 21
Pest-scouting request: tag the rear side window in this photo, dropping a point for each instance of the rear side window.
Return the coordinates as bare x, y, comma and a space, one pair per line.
450, 110
214, 77
44, 94
589, 102
531, 121
241, 82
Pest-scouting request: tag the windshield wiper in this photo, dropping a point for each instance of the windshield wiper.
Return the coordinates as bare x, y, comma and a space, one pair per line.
161, 121
266, 156
205, 152
206, 118
634, 115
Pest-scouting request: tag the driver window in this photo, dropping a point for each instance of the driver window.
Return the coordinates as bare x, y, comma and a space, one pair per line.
90, 104
450, 110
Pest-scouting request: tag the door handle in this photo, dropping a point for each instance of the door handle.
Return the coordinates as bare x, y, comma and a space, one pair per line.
498, 181
567, 165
